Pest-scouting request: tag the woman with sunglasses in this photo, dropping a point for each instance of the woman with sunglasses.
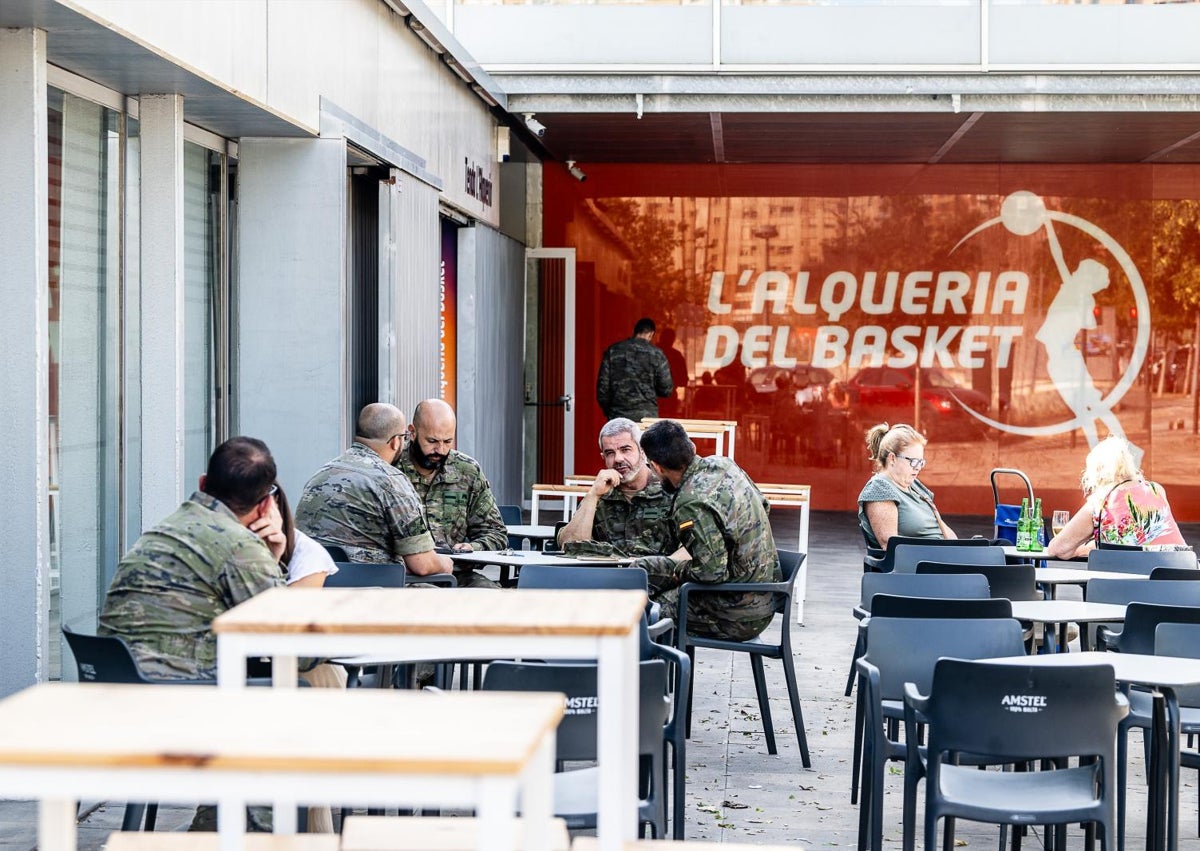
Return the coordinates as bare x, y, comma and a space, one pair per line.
894, 501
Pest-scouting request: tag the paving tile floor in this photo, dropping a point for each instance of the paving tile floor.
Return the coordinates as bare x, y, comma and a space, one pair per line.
736, 791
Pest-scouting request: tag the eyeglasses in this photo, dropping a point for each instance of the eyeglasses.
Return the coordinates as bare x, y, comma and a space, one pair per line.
271, 491
915, 463
404, 439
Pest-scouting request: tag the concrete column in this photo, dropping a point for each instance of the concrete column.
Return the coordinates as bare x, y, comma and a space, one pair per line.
290, 374
24, 351
161, 307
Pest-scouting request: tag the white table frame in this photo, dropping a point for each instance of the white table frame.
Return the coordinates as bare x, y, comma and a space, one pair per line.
60, 787
714, 430
617, 659
571, 495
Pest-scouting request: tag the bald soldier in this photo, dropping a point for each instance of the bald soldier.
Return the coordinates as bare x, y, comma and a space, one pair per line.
720, 518
459, 507
361, 503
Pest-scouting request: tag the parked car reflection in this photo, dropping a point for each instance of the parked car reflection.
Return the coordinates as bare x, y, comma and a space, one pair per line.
884, 393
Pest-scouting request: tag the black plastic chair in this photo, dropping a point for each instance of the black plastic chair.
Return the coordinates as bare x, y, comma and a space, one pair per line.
576, 791
959, 586
1140, 561
970, 710
1183, 640
1014, 582
1189, 574
908, 556
882, 561
338, 554
634, 578
510, 514
904, 650
1142, 621
358, 574
757, 648
1137, 590
1105, 545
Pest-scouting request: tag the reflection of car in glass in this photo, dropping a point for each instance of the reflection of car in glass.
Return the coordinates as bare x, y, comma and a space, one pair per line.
1098, 343
803, 375
882, 393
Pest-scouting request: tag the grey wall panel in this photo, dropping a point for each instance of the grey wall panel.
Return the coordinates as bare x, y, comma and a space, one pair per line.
290, 302
491, 311
416, 292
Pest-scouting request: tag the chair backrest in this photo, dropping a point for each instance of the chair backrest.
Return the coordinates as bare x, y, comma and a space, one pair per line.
1189, 574
957, 586
1180, 639
1142, 619
896, 541
102, 658
1105, 545
1128, 561
352, 574
577, 730
905, 650
582, 577
336, 553
510, 514
890, 606
1122, 591
1011, 581
979, 708
790, 562
908, 556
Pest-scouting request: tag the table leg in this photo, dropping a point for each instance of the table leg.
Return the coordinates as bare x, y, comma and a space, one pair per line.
1157, 772
56, 824
497, 828
802, 579
731, 437
1171, 755
617, 724
533, 509
231, 824
537, 800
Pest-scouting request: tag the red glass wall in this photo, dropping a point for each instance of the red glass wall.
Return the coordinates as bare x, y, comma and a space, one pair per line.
1014, 314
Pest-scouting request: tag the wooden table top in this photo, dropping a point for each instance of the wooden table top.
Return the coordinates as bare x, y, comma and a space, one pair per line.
549, 488
423, 833
201, 727
167, 841
461, 611
1063, 611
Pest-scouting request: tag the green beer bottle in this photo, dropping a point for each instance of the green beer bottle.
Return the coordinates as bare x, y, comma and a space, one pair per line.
1023, 526
1036, 526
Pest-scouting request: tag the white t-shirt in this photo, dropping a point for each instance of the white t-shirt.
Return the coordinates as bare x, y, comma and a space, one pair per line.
308, 558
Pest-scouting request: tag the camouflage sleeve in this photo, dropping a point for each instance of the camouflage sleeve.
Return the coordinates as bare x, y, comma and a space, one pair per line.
409, 532
664, 385
250, 570
663, 572
485, 526
604, 385
700, 530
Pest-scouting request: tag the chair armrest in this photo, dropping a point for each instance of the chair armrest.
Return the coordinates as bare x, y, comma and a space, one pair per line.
860, 613
445, 580
760, 587
1108, 638
660, 627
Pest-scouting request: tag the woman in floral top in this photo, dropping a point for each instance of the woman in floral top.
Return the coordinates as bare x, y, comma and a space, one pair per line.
1121, 506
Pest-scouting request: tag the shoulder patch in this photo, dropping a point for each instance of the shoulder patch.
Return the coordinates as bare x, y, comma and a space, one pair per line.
686, 524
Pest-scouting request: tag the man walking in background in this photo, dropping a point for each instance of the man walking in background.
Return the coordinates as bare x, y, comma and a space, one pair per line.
634, 374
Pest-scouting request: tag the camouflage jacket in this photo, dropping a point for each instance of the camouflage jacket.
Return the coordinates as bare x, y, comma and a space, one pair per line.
633, 374
721, 518
638, 526
459, 506
179, 575
366, 506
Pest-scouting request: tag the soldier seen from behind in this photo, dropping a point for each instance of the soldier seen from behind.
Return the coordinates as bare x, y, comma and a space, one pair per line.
634, 375
720, 519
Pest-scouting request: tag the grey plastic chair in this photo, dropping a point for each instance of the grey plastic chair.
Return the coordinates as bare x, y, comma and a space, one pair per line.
904, 650
882, 561
908, 556
1183, 639
576, 791
1189, 574
757, 648
970, 710
909, 585
1142, 621
1126, 561
1012, 581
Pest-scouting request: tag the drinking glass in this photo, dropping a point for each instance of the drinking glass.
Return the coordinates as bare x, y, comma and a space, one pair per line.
1059, 520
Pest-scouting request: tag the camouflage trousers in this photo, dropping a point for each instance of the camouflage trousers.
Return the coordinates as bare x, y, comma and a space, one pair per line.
473, 579
711, 616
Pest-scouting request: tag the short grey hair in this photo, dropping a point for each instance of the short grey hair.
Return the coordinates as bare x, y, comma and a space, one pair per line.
379, 421
620, 425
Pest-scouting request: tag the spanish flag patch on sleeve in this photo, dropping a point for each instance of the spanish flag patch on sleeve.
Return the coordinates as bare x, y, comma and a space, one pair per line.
686, 524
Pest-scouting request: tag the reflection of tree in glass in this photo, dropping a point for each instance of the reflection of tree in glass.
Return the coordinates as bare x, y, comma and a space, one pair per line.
657, 281
1175, 284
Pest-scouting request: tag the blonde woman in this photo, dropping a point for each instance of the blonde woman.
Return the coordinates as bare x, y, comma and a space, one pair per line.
1120, 507
894, 501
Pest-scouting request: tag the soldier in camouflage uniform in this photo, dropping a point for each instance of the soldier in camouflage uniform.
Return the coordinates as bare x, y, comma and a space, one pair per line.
460, 510
222, 546
633, 374
626, 505
720, 518
360, 502
200, 561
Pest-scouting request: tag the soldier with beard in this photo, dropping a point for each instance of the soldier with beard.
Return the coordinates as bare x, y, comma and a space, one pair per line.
459, 507
626, 506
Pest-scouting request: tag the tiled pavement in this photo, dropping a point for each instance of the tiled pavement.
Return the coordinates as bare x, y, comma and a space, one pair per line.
736, 791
